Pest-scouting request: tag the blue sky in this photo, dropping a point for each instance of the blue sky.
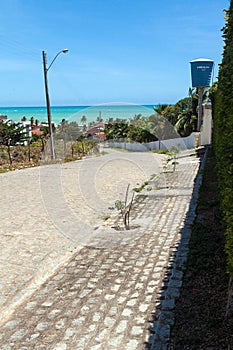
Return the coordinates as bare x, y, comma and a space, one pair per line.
129, 51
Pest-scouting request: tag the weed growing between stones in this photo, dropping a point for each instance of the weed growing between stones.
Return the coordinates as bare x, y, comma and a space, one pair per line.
125, 207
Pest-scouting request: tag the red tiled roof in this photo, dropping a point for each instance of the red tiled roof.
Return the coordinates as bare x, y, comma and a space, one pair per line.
37, 131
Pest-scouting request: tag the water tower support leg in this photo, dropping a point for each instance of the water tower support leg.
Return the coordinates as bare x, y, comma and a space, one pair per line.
200, 101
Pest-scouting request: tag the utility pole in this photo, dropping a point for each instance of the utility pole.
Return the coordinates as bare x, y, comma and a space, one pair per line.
52, 152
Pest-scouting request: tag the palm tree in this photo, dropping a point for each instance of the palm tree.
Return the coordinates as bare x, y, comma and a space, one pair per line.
186, 123
83, 119
160, 109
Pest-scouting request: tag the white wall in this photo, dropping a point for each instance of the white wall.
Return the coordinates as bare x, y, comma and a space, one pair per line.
180, 143
206, 128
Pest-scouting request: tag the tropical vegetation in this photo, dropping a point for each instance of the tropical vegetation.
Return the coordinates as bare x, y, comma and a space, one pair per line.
168, 121
124, 130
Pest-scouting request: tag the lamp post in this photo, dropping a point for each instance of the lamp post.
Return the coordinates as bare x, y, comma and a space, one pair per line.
52, 152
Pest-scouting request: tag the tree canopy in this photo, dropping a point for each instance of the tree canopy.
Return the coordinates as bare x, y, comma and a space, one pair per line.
127, 131
182, 115
11, 133
69, 131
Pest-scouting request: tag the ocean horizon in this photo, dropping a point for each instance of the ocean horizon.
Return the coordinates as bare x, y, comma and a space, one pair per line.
75, 113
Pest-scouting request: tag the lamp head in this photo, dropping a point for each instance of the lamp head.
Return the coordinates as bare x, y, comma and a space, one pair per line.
65, 50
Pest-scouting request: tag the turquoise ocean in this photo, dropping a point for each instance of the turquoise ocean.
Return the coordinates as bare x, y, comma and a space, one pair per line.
75, 113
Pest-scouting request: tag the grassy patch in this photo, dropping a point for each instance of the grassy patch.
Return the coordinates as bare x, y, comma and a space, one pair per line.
161, 151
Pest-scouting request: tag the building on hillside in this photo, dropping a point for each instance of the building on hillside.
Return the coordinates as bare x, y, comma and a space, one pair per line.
47, 124
27, 130
36, 130
96, 131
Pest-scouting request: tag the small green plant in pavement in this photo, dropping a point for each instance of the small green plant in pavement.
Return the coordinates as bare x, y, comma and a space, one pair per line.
124, 208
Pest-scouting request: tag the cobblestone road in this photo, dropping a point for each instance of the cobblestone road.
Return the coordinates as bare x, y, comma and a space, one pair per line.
98, 290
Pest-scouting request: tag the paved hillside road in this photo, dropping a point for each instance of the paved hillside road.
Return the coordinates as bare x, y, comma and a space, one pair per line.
68, 279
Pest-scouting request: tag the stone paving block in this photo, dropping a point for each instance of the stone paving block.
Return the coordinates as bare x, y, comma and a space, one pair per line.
60, 346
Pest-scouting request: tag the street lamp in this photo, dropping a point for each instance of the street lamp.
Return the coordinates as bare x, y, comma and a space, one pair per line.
52, 152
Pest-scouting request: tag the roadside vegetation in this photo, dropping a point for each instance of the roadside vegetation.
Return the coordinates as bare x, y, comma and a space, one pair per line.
223, 144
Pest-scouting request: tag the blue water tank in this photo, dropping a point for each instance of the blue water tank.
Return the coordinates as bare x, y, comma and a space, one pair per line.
201, 72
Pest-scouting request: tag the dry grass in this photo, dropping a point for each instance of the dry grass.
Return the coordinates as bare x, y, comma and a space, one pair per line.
21, 156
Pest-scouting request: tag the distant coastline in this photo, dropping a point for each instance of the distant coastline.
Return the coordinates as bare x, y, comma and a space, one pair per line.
75, 113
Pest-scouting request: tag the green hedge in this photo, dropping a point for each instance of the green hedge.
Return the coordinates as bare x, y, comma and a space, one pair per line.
223, 133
